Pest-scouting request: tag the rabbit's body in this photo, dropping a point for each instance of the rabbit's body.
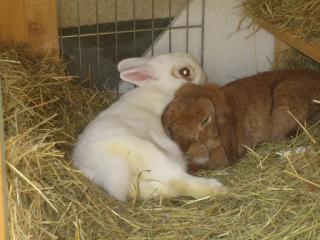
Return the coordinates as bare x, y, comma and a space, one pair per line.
260, 104
247, 111
126, 151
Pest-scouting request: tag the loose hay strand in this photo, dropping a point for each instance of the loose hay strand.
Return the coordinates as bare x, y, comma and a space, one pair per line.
304, 128
34, 186
303, 179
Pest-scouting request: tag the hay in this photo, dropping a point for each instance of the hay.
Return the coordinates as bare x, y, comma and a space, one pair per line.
300, 17
293, 59
270, 197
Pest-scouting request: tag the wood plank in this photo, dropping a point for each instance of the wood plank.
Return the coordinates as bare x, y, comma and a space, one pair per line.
43, 26
309, 49
13, 18
30, 21
279, 47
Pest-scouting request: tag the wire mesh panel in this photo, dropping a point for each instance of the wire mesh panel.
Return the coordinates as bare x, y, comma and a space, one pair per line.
96, 34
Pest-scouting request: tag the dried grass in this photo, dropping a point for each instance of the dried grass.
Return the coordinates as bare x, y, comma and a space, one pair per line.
299, 17
293, 59
270, 197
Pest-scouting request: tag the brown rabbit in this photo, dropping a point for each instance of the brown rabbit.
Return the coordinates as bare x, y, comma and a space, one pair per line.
212, 125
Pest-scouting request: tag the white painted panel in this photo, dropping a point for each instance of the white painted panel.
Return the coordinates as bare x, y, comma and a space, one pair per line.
228, 53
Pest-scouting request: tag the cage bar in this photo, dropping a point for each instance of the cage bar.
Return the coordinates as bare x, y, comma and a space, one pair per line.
134, 27
170, 28
79, 35
202, 31
152, 28
187, 26
116, 39
60, 27
98, 38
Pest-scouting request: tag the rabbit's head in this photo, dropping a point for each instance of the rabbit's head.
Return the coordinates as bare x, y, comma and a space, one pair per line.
169, 70
193, 121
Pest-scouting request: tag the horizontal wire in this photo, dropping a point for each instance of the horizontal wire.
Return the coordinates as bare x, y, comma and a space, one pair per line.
128, 31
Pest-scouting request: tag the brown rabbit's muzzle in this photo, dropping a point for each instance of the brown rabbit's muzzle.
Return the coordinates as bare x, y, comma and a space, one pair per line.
206, 140
197, 153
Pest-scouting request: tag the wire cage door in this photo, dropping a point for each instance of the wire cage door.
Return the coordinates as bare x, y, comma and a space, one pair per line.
95, 35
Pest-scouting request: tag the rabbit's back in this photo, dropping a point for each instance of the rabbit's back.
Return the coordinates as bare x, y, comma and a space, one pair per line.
260, 103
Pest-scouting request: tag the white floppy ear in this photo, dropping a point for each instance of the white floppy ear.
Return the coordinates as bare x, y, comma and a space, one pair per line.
137, 71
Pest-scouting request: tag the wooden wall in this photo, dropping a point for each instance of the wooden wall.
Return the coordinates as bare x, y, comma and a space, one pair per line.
30, 21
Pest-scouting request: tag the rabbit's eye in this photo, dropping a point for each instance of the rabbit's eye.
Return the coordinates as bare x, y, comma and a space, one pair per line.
206, 120
184, 72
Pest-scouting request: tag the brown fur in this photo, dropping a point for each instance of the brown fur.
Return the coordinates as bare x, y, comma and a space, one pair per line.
247, 111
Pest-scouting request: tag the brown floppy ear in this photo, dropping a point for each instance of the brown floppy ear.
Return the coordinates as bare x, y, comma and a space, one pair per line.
169, 113
228, 136
225, 153
216, 97
224, 119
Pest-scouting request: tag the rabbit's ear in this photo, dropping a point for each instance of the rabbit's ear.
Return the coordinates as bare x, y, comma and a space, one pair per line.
130, 63
140, 76
136, 70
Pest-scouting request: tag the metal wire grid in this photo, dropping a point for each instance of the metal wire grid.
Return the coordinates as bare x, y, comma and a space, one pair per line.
116, 32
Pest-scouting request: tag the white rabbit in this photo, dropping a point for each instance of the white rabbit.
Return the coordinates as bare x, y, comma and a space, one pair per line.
125, 149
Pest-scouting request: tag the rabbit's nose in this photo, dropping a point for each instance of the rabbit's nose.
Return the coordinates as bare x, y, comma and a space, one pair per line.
197, 140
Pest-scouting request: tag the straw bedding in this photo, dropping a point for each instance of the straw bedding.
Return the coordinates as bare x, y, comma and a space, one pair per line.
299, 17
270, 197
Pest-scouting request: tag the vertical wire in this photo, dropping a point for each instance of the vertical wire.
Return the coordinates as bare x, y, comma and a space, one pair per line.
60, 28
187, 29
98, 39
116, 39
152, 28
202, 30
79, 38
134, 31
134, 28
170, 45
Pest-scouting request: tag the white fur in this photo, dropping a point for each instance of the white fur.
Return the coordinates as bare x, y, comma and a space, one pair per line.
125, 149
